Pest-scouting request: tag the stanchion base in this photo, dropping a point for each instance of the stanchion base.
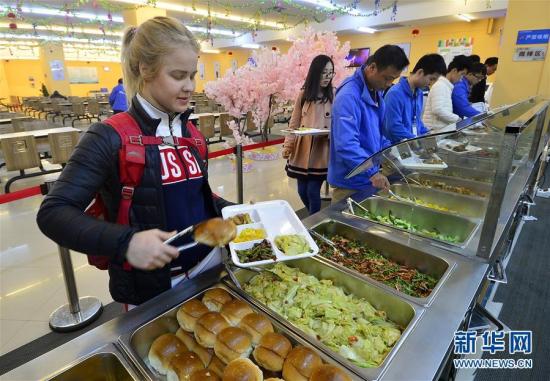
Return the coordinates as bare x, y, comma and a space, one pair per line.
62, 320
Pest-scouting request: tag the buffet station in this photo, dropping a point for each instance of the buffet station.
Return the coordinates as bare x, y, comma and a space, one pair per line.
373, 287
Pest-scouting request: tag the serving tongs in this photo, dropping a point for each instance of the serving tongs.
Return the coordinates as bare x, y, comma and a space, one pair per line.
352, 204
213, 232
393, 194
324, 239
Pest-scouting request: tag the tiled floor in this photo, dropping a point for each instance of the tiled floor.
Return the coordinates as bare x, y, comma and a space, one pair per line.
31, 283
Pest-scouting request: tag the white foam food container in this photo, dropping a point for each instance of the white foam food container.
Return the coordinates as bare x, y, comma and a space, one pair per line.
277, 218
415, 162
449, 144
309, 131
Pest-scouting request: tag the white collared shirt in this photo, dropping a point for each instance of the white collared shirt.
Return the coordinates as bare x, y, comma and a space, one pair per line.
163, 128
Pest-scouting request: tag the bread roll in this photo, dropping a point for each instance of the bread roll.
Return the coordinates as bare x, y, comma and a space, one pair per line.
215, 298
235, 310
217, 366
163, 349
189, 340
204, 375
208, 327
256, 325
272, 351
232, 343
189, 312
215, 232
300, 364
328, 372
242, 370
182, 365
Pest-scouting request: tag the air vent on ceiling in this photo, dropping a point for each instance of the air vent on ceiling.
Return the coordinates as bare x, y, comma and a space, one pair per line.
389, 26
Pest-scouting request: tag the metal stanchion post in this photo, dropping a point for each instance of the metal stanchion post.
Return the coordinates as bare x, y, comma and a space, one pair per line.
239, 165
79, 312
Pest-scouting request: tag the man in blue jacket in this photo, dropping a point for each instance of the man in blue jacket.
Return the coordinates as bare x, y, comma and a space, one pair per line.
117, 99
461, 91
405, 100
357, 122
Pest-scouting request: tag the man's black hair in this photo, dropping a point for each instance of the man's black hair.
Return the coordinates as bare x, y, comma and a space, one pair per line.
389, 55
120, 81
460, 63
478, 68
491, 61
475, 58
431, 64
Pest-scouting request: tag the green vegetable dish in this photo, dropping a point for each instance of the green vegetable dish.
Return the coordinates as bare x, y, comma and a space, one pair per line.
359, 257
401, 223
292, 244
346, 324
259, 252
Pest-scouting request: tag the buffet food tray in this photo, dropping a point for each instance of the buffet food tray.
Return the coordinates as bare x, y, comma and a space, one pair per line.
445, 223
276, 218
400, 311
105, 364
404, 255
450, 145
136, 344
462, 205
482, 190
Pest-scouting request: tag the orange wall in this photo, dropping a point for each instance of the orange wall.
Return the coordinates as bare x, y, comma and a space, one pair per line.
485, 44
107, 79
18, 73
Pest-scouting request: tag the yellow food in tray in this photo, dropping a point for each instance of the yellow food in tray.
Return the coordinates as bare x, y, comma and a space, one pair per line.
423, 203
250, 234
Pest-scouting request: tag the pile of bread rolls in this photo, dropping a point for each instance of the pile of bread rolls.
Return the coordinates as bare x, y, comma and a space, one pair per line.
216, 338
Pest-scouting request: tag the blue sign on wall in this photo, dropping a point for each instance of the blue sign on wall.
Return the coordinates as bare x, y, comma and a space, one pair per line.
538, 36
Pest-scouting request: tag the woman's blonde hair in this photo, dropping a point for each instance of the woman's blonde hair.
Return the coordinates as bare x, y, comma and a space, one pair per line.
148, 44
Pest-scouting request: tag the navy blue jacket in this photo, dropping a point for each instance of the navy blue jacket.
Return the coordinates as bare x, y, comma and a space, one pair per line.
461, 105
402, 108
356, 132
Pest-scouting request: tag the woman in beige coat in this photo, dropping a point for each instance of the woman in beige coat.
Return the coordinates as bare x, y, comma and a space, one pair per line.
308, 154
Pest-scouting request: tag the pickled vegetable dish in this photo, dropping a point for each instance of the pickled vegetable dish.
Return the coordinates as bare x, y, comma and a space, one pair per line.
259, 252
346, 324
356, 256
250, 234
401, 223
292, 244
451, 188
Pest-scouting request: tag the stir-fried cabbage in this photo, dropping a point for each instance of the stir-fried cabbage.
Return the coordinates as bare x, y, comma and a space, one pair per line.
346, 324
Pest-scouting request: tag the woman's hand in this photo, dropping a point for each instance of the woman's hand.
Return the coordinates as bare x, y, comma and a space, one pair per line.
380, 181
286, 152
147, 251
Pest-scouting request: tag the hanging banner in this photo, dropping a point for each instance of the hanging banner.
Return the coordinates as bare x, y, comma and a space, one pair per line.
58, 73
452, 47
201, 70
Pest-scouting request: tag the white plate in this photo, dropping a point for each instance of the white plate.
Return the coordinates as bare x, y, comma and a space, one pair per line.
310, 131
277, 218
449, 144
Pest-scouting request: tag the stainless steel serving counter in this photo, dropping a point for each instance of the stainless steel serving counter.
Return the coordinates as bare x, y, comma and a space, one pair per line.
420, 354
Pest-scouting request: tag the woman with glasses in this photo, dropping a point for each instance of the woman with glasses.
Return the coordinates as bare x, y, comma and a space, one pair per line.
308, 154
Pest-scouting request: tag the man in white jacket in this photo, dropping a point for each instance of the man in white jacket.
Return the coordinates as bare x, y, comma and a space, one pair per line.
438, 112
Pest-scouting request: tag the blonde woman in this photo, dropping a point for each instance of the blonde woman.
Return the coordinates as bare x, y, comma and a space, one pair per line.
308, 155
159, 60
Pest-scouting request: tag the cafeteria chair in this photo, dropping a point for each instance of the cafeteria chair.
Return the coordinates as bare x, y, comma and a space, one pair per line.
202, 109
94, 111
251, 126
79, 113
62, 145
6, 129
21, 124
21, 154
207, 127
224, 128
